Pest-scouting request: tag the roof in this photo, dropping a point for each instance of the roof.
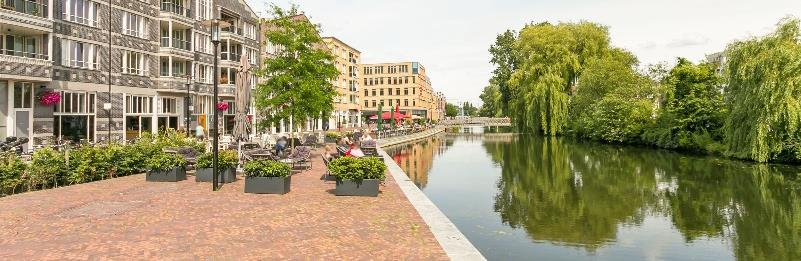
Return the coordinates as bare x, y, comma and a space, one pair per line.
340, 41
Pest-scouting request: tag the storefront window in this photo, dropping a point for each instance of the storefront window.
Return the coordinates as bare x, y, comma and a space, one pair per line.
73, 119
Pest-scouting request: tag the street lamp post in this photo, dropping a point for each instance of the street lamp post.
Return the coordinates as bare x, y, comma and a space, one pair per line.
215, 25
188, 102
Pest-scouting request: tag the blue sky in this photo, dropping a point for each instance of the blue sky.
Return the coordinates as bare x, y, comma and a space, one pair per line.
451, 38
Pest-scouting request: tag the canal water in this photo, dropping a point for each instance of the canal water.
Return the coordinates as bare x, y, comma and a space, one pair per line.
524, 197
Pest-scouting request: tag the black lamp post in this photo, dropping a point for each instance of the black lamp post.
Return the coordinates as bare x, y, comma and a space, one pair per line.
188, 102
215, 25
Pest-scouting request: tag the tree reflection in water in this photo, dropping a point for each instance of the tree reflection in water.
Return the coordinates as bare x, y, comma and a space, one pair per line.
579, 194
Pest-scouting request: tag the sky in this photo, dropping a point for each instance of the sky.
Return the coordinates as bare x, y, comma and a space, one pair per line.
451, 38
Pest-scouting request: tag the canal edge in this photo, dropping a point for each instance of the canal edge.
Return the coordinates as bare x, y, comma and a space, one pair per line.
452, 241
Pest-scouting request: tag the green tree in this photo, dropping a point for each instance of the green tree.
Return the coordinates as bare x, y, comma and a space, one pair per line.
552, 58
469, 109
451, 110
764, 95
298, 76
491, 101
506, 62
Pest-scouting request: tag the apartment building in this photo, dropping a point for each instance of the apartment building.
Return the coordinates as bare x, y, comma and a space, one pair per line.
347, 109
404, 84
157, 68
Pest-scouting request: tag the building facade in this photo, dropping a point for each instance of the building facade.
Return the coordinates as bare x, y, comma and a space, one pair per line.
347, 107
121, 67
404, 84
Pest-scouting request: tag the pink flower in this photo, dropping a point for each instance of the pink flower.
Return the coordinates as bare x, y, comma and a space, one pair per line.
50, 98
222, 106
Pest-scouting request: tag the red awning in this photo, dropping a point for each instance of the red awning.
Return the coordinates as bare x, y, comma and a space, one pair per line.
388, 115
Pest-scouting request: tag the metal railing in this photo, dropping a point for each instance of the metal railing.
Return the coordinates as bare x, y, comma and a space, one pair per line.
19, 53
26, 6
176, 43
230, 56
171, 7
233, 29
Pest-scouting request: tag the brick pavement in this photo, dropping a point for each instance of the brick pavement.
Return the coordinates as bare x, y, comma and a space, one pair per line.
127, 218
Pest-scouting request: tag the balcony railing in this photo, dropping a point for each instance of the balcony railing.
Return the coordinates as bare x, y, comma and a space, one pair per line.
230, 56
232, 29
26, 6
176, 43
175, 8
20, 53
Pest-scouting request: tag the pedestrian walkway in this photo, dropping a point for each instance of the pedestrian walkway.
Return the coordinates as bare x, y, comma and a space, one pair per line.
128, 218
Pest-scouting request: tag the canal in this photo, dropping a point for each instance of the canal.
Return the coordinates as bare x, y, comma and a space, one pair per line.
524, 197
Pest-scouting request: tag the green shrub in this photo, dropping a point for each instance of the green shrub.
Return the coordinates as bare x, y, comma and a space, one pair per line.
349, 168
89, 163
227, 159
48, 168
164, 161
266, 168
11, 172
332, 135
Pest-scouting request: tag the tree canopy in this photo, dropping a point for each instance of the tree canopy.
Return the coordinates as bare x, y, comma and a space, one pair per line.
299, 76
764, 94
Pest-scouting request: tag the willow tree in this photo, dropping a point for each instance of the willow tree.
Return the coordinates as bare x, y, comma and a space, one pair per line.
764, 94
551, 58
299, 75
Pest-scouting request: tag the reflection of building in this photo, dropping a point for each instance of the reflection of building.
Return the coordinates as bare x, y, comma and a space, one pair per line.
63, 47
403, 84
416, 159
347, 108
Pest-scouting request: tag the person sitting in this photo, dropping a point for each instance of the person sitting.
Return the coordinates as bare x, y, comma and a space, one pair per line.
330, 152
280, 145
355, 151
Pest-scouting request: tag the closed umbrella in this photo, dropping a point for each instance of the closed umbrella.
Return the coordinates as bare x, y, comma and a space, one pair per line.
392, 118
242, 100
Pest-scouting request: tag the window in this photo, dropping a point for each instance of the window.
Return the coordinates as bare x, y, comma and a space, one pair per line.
203, 43
133, 25
250, 31
373, 103
169, 106
390, 102
81, 11
204, 10
406, 79
405, 91
73, 118
382, 91
139, 105
397, 91
79, 54
133, 63
405, 102
23, 95
373, 91
366, 103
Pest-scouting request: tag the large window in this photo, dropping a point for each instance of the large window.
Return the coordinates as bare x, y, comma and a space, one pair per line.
134, 25
23, 95
78, 54
81, 11
23, 46
139, 110
250, 31
73, 118
204, 10
133, 63
203, 43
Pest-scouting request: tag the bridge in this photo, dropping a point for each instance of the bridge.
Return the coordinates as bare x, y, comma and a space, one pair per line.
476, 121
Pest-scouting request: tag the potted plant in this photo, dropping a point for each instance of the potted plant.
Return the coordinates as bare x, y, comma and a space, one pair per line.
267, 177
357, 176
331, 137
226, 165
165, 167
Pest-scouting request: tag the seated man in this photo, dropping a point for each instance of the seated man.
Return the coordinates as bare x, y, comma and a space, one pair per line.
280, 145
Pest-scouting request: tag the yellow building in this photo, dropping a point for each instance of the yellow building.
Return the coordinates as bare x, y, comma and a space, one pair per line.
347, 108
402, 84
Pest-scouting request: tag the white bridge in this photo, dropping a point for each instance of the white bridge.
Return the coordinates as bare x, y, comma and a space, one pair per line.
476, 121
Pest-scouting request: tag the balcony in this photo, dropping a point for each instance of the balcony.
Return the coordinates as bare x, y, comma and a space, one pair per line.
26, 64
176, 46
174, 8
234, 57
26, 13
232, 33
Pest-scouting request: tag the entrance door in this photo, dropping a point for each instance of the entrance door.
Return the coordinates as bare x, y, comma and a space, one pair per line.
23, 124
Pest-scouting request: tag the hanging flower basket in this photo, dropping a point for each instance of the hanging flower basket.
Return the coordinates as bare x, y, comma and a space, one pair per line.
222, 106
49, 98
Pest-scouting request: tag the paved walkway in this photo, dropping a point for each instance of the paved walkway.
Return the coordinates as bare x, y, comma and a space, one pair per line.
128, 218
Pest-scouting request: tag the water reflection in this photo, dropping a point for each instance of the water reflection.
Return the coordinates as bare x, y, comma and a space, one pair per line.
566, 194
416, 158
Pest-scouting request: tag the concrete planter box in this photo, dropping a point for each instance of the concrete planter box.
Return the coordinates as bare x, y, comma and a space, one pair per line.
366, 187
173, 175
225, 176
267, 185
